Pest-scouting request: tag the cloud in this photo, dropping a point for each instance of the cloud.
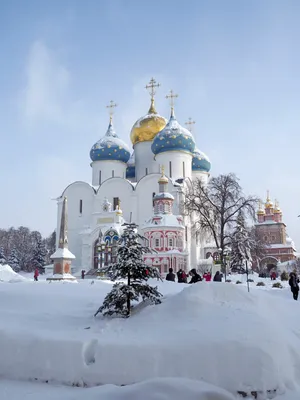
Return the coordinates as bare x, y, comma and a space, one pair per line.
48, 82
50, 96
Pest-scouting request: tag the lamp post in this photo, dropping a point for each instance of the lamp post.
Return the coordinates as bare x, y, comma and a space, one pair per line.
222, 261
226, 253
247, 275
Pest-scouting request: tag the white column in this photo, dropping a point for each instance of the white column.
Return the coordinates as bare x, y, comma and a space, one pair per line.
105, 169
178, 164
144, 160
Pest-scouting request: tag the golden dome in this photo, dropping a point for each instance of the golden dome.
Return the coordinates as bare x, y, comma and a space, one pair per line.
147, 127
260, 211
277, 209
268, 203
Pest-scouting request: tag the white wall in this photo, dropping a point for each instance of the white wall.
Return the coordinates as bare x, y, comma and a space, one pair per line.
176, 158
204, 176
109, 169
144, 159
117, 187
77, 221
144, 192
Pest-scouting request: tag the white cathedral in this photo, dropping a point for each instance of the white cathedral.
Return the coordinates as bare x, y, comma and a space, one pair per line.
145, 186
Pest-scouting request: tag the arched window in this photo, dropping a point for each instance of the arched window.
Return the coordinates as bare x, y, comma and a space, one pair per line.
106, 250
208, 254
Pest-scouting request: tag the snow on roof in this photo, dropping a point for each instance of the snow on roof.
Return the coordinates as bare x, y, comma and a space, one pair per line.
63, 253
164, 195
266, 223
280, 246
159, 220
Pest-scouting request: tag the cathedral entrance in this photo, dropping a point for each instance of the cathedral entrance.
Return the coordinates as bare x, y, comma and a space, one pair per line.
271, 267
269, 264
106, 250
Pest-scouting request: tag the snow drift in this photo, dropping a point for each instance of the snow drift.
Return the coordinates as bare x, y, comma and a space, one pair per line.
163, 388
7, 274
214, 332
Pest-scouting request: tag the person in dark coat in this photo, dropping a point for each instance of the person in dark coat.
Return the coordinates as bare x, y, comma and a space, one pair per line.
180, 276
218, 277
294, 284
195, 276
170, 276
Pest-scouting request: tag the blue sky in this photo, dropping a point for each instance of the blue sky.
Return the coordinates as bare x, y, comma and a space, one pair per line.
235, 65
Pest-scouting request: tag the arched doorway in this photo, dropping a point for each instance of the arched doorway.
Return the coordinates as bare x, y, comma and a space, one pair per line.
269, 264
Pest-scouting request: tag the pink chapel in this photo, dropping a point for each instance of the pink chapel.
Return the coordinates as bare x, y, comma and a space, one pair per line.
165, 233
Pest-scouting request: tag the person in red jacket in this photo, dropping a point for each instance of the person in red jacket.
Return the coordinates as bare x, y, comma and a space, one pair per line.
207, 276
36, 274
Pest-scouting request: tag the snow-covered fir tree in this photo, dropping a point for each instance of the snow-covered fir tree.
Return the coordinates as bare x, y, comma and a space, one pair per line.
3, 260
39, 256
241, 245
13, 260
131, 267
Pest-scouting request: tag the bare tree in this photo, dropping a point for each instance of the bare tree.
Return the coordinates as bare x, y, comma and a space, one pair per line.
258, 249
216, 207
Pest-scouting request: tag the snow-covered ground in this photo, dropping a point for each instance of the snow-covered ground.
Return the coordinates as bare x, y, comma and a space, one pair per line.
205, 341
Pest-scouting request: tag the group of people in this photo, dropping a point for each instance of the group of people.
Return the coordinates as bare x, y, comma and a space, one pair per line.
182, 276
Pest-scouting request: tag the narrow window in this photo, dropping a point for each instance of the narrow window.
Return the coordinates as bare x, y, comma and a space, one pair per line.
186, 235
170, 242
80, 206
156, 242
146, 171
99, 177
170, 169
116, 202
113, 173
183, 169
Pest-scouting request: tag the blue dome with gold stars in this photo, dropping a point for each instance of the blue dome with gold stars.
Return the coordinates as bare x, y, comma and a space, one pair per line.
173, 138
130, 170
200, 161
110, 147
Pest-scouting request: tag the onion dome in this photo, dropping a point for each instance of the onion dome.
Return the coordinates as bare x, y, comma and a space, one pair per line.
163, 180
260, 210
130, 170
277, 209
200, 161
268, 203
173, 137
110, 147
146, 128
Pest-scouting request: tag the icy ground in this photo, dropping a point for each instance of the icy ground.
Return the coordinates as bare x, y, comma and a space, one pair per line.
206, 341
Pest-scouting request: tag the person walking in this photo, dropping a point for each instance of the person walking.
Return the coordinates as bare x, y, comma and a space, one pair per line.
170, 276
36, 275
218, 277
294, 284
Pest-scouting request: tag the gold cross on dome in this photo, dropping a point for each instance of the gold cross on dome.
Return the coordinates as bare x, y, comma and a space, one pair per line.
171, 96
163, 170
111, 107
151, 87
190, 124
